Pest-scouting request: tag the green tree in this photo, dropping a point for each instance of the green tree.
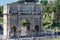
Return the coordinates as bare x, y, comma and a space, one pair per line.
50, 8
57, 11
21, 1
46, 6
44, 2
1, 10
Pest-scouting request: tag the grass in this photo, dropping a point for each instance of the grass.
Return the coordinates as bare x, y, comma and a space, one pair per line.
1, 19
46, 18
46, 26
53, 38
50, 38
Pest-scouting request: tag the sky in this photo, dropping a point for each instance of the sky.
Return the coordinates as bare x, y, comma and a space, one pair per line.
2, 2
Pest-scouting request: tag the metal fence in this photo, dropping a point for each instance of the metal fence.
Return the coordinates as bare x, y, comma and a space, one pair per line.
34, 38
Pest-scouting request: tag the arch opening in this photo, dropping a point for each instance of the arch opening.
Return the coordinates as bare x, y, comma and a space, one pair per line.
36, 28
26, 22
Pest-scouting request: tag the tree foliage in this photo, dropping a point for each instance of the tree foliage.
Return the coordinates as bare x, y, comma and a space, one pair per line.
50, 8
57, 13
47, 7
44, 2
1, 10
21, 1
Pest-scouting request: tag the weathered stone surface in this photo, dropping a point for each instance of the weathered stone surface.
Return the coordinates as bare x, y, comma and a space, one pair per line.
16, 17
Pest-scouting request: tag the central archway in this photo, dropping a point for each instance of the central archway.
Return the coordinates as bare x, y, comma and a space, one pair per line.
26, 22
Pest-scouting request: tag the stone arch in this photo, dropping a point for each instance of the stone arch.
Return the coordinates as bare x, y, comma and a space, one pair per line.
14, 29
26, 23
37, 28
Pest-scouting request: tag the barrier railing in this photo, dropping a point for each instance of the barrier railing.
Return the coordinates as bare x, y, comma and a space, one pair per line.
34, 38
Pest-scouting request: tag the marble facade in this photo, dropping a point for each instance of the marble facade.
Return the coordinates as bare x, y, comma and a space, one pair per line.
14, 15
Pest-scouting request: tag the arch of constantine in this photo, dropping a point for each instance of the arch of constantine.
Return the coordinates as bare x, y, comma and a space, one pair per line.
22, 19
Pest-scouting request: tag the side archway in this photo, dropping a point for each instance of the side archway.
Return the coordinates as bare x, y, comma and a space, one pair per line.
37, 28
